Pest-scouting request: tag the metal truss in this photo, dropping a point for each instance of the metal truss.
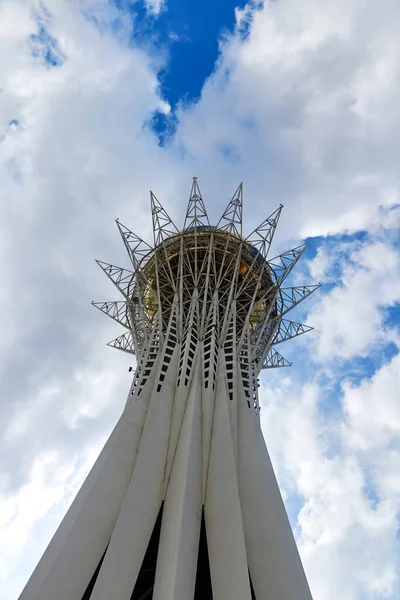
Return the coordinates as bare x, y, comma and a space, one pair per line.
274, 360
261, 238
288, 330
123, 342
121, 278
204, 266
292, 296
283, 264
196, 214
115, 310
231, 219
163, 226
137, 248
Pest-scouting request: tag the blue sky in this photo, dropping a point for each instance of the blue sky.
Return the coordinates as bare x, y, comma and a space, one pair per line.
190, 34
101, 101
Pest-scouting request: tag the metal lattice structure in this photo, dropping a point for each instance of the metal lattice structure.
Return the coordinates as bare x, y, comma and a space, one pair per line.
203, 273
182, 502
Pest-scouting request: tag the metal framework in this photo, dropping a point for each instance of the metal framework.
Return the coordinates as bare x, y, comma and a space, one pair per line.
201, 266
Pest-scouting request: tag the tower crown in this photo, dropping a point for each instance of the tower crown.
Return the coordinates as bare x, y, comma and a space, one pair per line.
208, 260
216, 264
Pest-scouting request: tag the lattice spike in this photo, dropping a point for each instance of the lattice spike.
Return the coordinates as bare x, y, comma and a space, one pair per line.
261, 238
123, 342
114, 310
136, 247
231, 219
282, 265
288, 330
290, 297
196, 214
274, 360
121, 278
163, 226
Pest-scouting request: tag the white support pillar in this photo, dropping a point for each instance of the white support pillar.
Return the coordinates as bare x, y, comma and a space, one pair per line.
85, 531
223, 519
143, 499
274, 561
179, 539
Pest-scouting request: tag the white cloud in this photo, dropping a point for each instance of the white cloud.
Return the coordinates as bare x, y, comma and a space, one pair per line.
372, 410
305, 111
335, 441
155, 7
347, 539
78, 160
51, 485
350, 319
44, 488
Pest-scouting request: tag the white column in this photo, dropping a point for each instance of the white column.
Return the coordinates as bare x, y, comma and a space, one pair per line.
223, 519
142, 502
274, 562
179, 539
178, 412
86, 529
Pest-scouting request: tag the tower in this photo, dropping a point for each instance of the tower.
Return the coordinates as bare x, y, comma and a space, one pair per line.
182, 502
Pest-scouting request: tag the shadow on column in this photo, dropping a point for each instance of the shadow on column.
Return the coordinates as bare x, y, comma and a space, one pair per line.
253, 596
145, 582
203, 589
90, 587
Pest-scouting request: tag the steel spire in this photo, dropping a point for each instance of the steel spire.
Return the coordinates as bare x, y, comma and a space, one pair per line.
282, 264
261, 238
123, 342
274, 360
163, 226
196, 214
288, 330
136, 247
121, 278
231, 219
289, 297
114, 310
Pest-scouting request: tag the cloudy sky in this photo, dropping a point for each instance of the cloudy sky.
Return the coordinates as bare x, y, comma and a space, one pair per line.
101, 101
